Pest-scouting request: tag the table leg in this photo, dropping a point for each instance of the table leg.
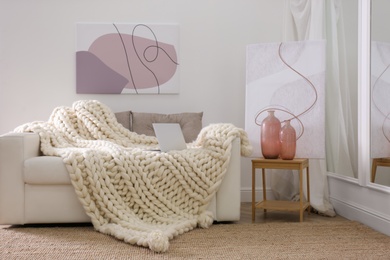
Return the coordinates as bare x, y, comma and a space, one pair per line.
308, 188
264, 186
253, 192
300, 196
373, 170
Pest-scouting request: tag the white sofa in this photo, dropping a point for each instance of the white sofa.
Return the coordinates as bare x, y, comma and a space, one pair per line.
37, 189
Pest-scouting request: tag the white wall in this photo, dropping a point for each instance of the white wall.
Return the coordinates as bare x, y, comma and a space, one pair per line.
37, 54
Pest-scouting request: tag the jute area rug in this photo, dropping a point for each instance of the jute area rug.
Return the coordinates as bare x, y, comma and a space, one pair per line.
282, 240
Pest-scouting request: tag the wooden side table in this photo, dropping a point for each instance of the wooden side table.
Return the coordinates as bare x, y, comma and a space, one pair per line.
295, 164
378, 162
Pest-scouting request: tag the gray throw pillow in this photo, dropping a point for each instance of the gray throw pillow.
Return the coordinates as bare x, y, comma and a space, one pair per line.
124, 118
190, 123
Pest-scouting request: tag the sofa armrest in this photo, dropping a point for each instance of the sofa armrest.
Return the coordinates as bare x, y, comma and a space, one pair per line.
228, 197
15, 148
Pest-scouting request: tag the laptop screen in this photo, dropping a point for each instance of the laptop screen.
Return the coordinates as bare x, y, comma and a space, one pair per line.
170, 136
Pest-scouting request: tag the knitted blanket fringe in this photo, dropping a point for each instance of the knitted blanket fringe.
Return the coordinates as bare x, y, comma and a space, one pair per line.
140, 196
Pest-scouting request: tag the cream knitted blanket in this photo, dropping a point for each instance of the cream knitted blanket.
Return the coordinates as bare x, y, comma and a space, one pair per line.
134, 194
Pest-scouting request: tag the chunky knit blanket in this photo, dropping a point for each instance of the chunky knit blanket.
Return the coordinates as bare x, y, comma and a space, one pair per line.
140, 196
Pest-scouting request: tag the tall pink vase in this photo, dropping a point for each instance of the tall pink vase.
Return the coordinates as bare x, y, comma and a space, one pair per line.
288, 141
269, 138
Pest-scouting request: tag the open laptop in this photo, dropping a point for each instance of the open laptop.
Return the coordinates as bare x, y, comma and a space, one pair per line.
169, 136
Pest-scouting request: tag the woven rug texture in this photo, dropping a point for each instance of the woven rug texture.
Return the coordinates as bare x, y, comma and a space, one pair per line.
307, 240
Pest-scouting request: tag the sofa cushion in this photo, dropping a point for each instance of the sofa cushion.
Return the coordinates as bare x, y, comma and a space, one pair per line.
124, 118
190, 123
45, 170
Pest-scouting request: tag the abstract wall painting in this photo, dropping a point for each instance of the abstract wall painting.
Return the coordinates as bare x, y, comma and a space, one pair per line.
289, 78
117, 58
380, 96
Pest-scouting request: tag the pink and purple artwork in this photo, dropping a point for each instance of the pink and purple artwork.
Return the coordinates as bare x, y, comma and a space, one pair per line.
127, 59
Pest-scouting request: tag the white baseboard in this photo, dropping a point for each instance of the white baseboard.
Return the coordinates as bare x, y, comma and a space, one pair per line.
368, 205
368, 217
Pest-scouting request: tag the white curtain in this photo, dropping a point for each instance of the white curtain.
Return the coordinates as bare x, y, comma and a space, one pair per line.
318, 20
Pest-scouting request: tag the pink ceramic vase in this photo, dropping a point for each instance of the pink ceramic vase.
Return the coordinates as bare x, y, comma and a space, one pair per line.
287, 141
269, 139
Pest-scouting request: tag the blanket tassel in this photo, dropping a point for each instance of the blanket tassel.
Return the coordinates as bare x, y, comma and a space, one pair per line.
158, 242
